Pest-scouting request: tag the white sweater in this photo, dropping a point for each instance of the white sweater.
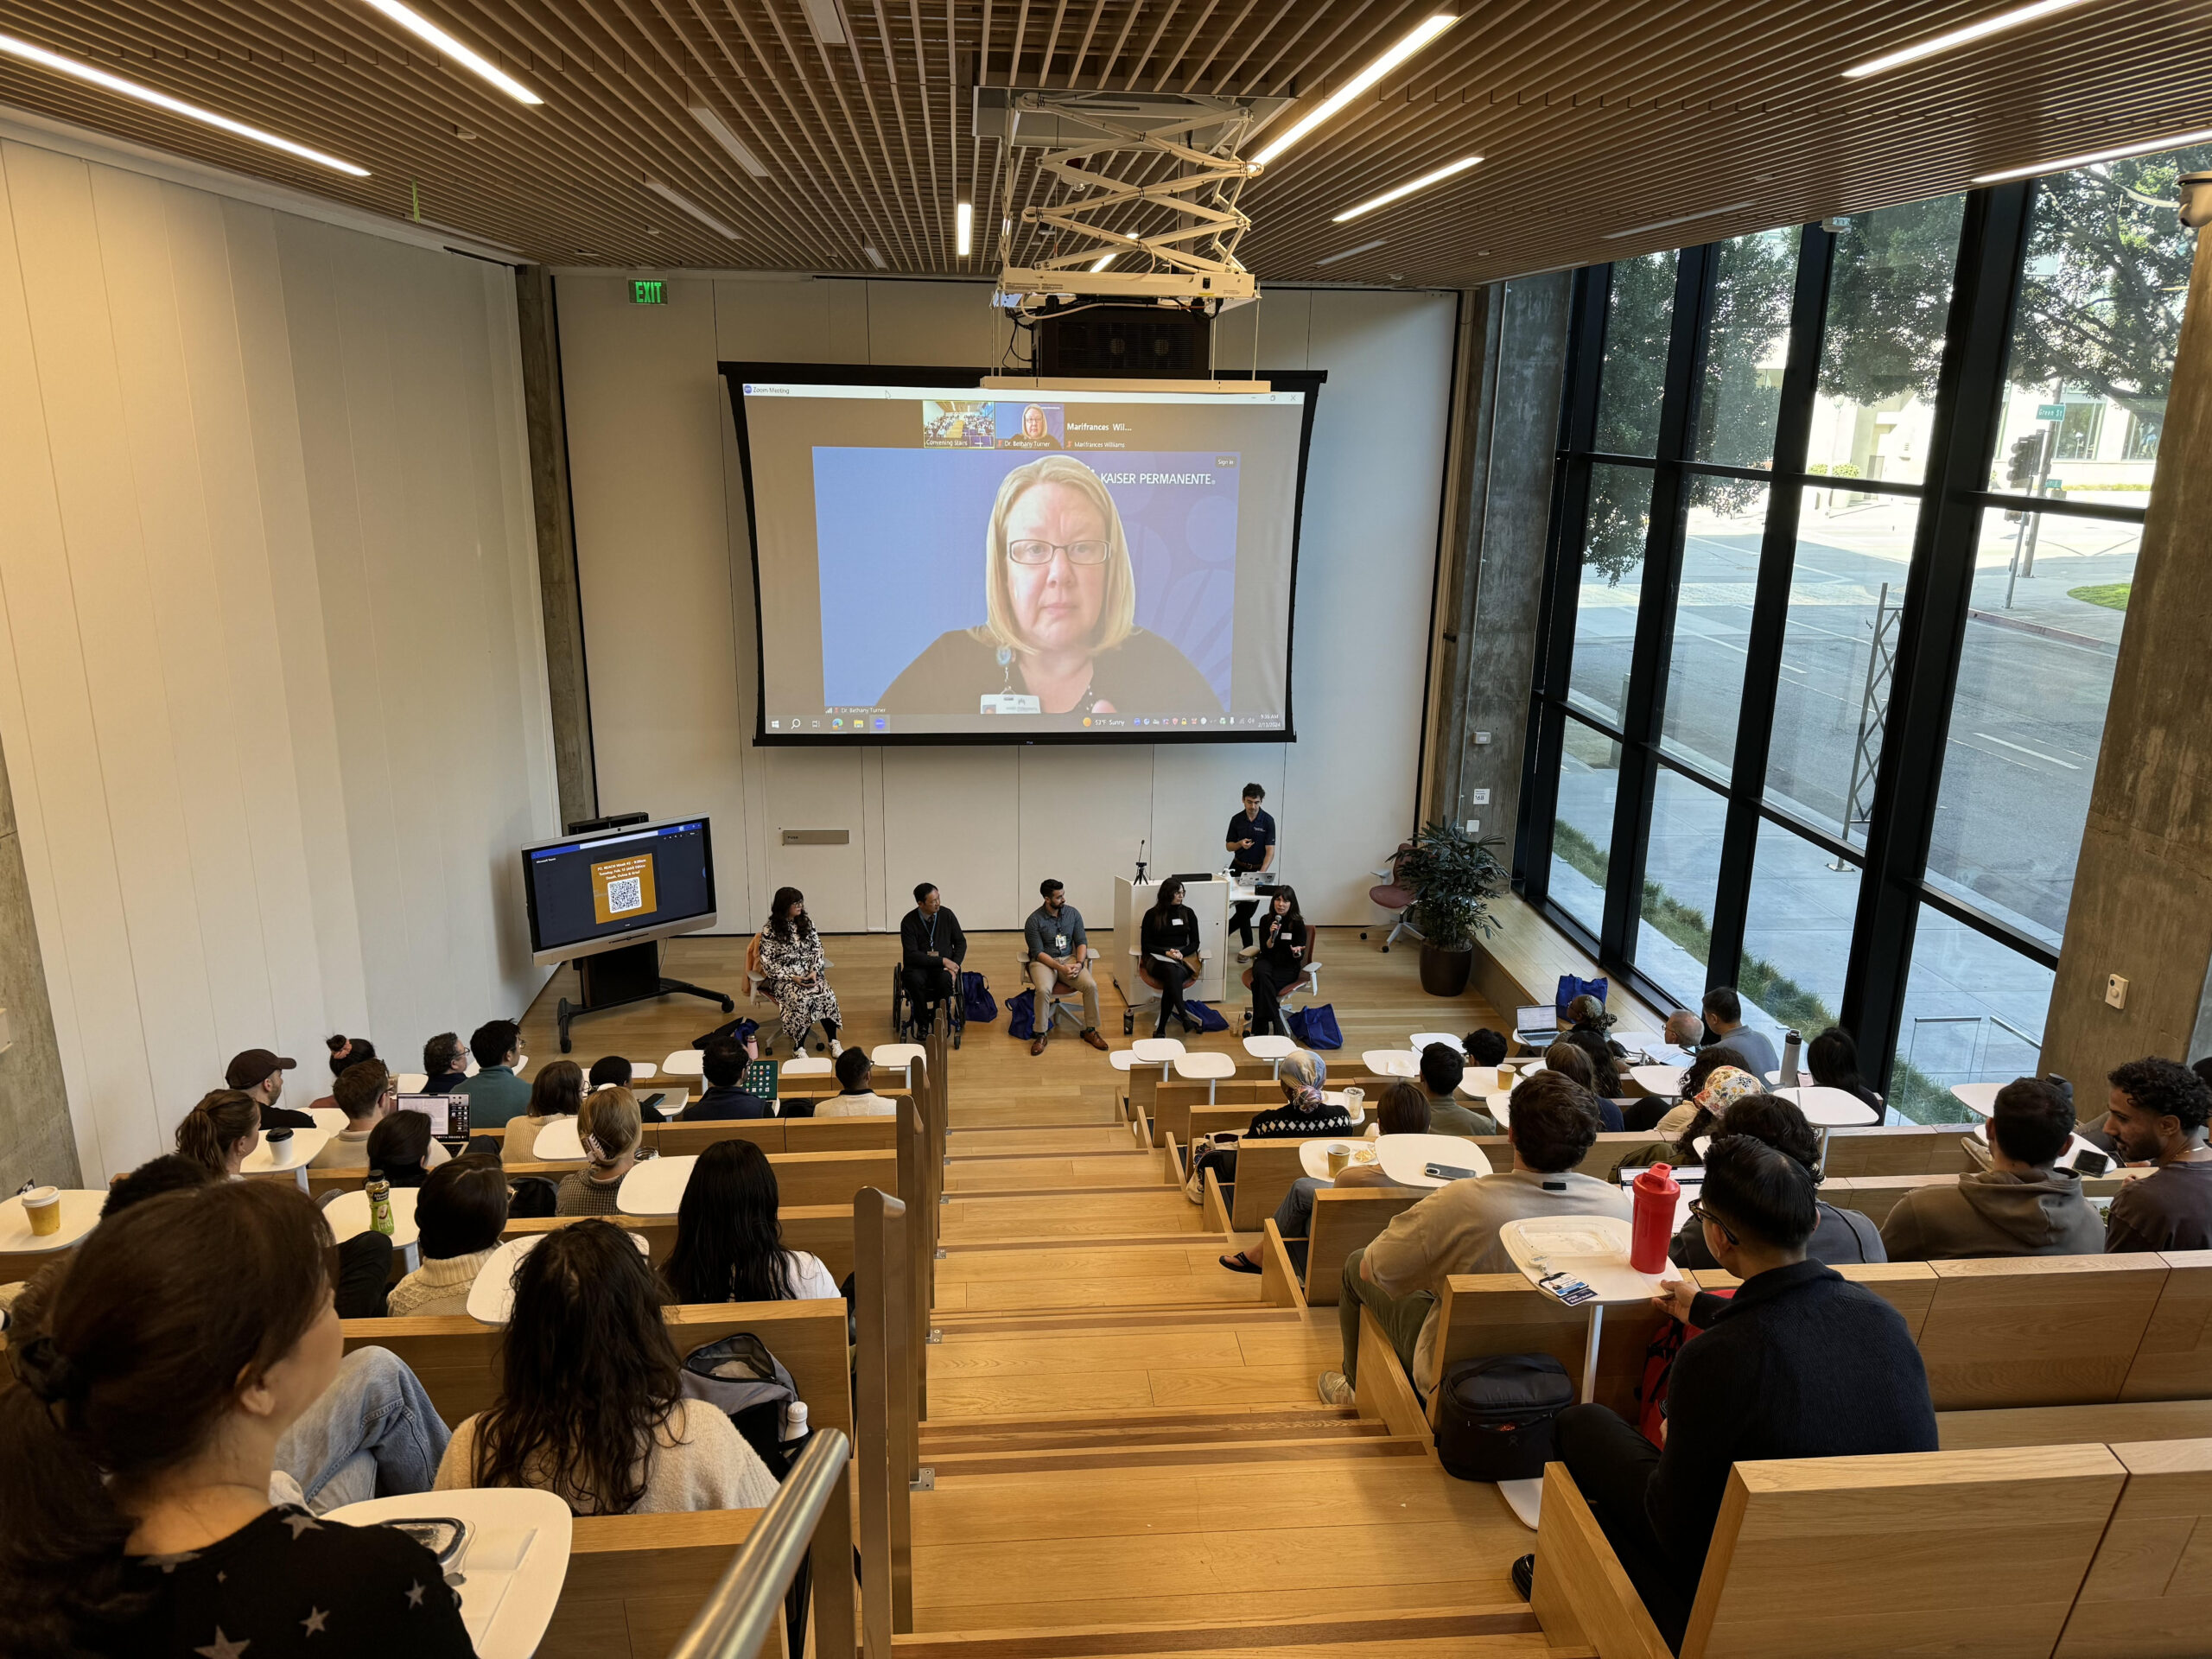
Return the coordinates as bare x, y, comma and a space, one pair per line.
699, 1461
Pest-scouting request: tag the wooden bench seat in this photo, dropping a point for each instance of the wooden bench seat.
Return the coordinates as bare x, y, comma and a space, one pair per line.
802, 1177
635, 1581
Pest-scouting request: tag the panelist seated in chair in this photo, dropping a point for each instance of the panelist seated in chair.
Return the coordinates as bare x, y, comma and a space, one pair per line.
1168, 954
795, 972
932, 947
1059, 962
1285, 946
1800, 1362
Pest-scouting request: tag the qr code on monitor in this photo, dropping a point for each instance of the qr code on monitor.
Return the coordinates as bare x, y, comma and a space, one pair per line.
625, 895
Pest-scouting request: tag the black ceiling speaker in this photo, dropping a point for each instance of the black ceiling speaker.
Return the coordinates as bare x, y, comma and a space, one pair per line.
1144, 341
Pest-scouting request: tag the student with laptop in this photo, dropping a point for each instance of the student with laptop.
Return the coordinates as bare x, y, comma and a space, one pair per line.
367, 1095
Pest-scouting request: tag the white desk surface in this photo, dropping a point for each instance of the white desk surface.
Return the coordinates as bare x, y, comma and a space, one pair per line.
1479, 1081
1594, 1249
1314, 1155
1208, 1062
1404, 1156
558, 1142
890, 1055
1391, 1062
305, 1144
491, 1296
1657, 1079
808, 1066
1269, 1048
348, 1216
1423, 1039
80, 1212
512, 1565
410, 1082
655, 1188
685, 1063
1979, 1098
329, 1119
1830, 1108
1157, 1051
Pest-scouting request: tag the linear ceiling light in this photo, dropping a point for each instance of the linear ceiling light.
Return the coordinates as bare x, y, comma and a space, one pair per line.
677, 199
86, 71
475, 62
1685, 218
719, 130
1102, 261
873, 257
2173, 141
823, 18
963, 228
1987, 26
1346, 253
1407, 189
1427, 30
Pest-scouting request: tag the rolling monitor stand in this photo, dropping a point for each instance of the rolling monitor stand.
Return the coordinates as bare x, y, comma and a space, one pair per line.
612, 978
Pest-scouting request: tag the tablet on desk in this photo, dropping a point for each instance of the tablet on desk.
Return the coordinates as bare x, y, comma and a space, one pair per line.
448, 1114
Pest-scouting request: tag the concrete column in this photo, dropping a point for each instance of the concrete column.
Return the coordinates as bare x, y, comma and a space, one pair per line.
36, 1142
1498, 572
2142, 903
565, 678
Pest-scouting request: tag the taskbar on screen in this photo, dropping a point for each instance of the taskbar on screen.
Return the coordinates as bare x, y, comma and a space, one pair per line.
868, 722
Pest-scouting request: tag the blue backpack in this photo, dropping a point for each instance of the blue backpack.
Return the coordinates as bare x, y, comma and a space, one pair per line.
1022, 1014
1570, 987
1207, 1018
980, 1007
1315, 1025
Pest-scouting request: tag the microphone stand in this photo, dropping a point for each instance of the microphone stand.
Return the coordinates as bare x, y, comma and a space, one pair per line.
1141, 860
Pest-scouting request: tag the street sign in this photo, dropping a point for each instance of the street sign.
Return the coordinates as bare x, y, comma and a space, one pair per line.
2050, 411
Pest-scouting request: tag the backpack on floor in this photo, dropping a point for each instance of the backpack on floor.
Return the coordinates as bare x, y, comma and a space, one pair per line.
1495, 1415
533, 1198
1207, 1018
1315, 1026
739, 1031
740, 1377
1022, 1014
978, 1006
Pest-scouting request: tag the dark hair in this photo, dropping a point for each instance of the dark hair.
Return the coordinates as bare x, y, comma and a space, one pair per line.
1555, 1122
1760, 1191
443, 1053
1777, 1122
1708, 1061
129, 1358
346, 1051
729, 1245
1441, 1068
1255, 793
1485, 1047
854, 1068
1722, 1002
166, 1173
463, 1207
1049, 886
1832, 1058
1571, 1060
2032, 1121
2164, 1089
922, 890
2203, 1068
610, 1068
219, 1123
589, 1375
1284, 890
556, 1089
1605, 1071
493, 1040
1161, 900
1587, 1013
359, 1088
1403, 1109
723, 1063
398, 1146
782, 924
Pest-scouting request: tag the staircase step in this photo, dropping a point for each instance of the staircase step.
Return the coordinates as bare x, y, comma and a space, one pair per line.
1128, 1170
1472, 1631
971, 1217
1272, 1421
1035, 1138
1132, 1316
1189, 1454
1271, 1362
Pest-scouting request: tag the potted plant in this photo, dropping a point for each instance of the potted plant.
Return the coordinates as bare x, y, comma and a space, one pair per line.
1454, 877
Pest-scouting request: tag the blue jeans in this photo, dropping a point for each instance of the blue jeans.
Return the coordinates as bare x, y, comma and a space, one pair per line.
372, 1434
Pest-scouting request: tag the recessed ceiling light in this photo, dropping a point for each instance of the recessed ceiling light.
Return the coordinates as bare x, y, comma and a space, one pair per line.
1346, 253
875, 258
1408, 188
1685, 218
1987, 27
963, 229
1422, 33
679, 199
86, 71
2173, 141
825, 20
719, 130
475, 62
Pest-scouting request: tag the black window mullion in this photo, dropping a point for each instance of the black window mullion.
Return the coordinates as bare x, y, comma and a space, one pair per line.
1793, 434
1932, 630
1655, 615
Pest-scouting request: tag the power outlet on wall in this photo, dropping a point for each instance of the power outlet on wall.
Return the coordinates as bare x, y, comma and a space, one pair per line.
1474, 826
2115, 991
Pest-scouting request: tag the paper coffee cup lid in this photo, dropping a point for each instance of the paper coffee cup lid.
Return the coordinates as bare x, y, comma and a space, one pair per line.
42, 1196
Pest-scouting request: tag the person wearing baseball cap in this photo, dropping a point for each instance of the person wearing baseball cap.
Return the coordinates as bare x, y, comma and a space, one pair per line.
261, 1074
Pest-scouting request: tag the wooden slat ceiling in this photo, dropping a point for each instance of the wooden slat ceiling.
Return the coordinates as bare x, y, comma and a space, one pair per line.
1595, 117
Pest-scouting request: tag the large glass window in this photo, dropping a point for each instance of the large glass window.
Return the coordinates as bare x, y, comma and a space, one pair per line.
1582, 840
1747, 345
1974, 1012
1681, 875
1888, 298
1796, 934
1639, 313
1712, 621
1612, 588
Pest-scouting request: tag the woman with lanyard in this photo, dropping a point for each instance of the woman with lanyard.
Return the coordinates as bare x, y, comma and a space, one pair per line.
1168, 955
1280, 964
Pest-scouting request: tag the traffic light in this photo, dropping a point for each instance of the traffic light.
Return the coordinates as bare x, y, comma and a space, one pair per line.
2025, 461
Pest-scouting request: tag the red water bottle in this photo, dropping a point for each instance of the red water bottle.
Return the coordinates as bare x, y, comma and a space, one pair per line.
1653, 1230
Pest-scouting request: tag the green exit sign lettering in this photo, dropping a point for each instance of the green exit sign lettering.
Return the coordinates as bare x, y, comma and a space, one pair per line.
644, 293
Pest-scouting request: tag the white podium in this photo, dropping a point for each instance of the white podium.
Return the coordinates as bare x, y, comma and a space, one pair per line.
1209, 901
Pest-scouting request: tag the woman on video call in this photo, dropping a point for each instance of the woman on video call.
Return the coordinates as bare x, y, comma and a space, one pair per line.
1062, 605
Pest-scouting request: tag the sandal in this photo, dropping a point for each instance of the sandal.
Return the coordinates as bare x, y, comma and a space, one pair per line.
1239, 1263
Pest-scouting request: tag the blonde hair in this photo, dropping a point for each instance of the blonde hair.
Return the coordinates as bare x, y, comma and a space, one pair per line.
1117, 615
611, 1118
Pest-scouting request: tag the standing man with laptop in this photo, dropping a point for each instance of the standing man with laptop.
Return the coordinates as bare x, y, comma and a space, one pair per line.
1251, 845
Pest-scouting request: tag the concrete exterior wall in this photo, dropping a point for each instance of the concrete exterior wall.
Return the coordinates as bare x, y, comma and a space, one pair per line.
35, 1142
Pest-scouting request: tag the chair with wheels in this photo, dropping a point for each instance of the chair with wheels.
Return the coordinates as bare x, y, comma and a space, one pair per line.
1066, 1000
1306, 985
1395, 896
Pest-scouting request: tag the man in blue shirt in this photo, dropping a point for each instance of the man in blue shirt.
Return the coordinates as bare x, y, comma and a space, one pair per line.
1251, 844
1059, 958
723, 1066
495, 1094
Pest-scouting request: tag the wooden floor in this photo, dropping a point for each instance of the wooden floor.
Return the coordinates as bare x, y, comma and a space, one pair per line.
1131, 1456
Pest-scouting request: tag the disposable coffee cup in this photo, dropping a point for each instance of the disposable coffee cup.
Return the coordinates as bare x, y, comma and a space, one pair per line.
279, 1142
42, 1207
1339, 1155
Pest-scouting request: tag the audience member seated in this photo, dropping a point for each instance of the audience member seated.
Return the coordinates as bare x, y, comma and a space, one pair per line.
723, 1067
612, 1072
346, 1052
730, 1243
856, 1095
1303, 1116
1403, 1109
1800, 1363
459, 1214
555, 1093
1585, 1057
1656, 1111
495, 1094
1723, 1017
1683, 1030
2157, 1114
1832, 1058
608, 1125
402, 1149
2020, 1205
1840, 1235
591, 1403
1691, 1121
1552, 1123
1587, 1014
794, 971
1484, 1046
932, 947
367, 1094
1442, 1067
157, 1376
445, 1064
1059, 962
261, 1074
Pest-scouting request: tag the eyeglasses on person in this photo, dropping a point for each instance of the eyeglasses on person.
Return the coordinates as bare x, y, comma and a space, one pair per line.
1698, 1209
1031, 552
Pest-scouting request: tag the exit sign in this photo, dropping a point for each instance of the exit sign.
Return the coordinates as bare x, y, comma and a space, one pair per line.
2043, 411
654, 293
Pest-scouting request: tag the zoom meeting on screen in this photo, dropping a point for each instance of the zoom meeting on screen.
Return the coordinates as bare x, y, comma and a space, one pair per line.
957, 563
611, 885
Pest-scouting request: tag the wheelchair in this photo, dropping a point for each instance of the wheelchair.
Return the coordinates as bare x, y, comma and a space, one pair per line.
906, 1018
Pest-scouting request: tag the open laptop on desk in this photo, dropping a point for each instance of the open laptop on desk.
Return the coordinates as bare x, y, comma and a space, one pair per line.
448, 1116
1536, 1026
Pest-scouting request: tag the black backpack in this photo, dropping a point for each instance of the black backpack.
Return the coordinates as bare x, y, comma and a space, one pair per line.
1494, 1416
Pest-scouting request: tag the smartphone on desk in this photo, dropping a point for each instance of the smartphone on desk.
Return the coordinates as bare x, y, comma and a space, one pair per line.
1448, 1173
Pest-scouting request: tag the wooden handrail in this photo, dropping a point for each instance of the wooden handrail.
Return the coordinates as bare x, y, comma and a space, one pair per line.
885, 1420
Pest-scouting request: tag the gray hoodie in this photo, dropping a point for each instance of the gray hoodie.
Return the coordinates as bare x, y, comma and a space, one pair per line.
1994, 1213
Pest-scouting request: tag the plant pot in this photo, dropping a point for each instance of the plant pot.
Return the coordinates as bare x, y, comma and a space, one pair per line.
1444, 971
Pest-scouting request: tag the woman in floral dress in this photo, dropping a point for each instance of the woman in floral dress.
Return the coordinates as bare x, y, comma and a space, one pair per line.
790, 956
